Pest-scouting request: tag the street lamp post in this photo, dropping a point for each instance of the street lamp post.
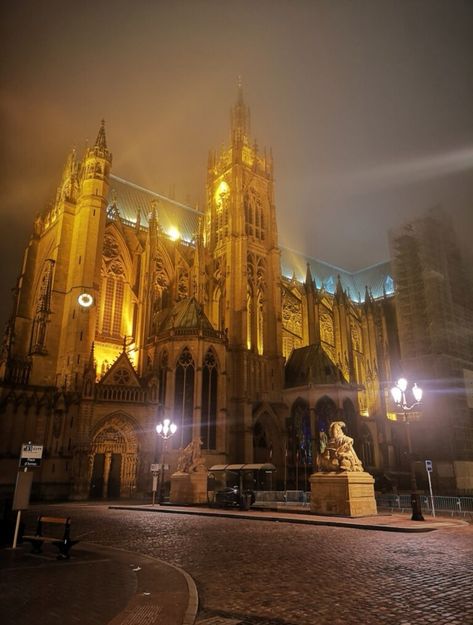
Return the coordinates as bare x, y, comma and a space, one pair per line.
398, 393
165, 430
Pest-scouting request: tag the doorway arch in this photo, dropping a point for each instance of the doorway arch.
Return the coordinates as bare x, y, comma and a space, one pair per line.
113, 458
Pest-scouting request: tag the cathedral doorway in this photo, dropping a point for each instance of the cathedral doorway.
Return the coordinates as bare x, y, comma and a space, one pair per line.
113, 459
106, 476
96, 483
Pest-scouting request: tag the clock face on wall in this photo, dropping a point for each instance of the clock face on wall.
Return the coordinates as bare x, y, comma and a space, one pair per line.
85, 300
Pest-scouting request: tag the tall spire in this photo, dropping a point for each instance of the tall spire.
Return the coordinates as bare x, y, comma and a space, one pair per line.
309, 281
101, 141
100, 146
240, 116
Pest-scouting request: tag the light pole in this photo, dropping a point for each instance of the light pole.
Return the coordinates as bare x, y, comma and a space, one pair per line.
165, 430
398, 393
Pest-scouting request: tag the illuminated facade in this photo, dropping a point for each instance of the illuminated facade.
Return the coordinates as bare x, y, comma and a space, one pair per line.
132, 307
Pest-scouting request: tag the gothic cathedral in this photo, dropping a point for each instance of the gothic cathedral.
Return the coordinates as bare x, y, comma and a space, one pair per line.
132, 307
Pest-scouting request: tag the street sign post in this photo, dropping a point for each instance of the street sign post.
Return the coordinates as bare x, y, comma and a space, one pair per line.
30, 456
429, 469
155, 470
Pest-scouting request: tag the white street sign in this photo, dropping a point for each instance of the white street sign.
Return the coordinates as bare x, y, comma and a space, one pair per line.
31, 451
30, 455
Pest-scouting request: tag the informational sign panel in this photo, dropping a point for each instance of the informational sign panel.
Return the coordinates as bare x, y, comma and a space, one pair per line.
428, 466
156, 468
31, 455
21, 499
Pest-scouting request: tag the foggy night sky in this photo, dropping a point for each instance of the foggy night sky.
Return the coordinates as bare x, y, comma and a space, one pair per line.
367, 105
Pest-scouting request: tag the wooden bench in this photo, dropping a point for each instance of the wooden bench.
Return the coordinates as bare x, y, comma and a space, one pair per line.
63, 543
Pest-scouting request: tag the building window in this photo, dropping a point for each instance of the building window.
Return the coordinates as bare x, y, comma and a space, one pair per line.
367, 447
43, 309
208, 428
254, 215
249, 318
260, 324
112, 306
299, 434
184, 398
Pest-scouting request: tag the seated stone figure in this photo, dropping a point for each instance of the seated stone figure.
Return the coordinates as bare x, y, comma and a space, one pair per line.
338, 453
190, 458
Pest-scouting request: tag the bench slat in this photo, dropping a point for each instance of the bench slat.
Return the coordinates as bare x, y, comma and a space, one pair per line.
44, 539
64, 544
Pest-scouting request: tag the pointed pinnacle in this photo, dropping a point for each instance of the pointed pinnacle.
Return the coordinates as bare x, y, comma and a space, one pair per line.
101, 141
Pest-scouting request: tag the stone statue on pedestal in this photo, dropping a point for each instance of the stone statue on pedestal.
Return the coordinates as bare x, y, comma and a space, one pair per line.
337, 453
340, 486
189, 483
190, 458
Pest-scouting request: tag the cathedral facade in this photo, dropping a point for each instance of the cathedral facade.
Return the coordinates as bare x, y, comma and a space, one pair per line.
131, 308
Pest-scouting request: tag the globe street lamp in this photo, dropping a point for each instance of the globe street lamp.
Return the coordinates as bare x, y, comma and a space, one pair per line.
165, 430
398, 393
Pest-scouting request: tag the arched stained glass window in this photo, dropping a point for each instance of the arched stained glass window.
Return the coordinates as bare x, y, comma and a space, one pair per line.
208, 427
184, 398
367, 447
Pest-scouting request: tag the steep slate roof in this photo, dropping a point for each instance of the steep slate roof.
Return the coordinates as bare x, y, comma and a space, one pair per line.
130, 198
376, 277
311, 364
185, 314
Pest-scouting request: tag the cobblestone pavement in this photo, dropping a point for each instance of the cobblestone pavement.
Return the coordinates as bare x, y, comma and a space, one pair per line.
262, 573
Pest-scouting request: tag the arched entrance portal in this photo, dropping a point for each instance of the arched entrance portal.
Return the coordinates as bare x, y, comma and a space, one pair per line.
112, 459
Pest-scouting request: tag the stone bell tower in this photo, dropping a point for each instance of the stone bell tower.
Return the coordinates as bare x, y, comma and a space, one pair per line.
82, 278
245, 291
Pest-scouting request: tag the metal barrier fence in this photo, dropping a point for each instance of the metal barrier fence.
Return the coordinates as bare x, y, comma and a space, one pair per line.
282, 498
299, 499
402, 503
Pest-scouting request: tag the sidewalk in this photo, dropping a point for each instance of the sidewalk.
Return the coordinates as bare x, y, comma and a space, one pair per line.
97, 586
383, 521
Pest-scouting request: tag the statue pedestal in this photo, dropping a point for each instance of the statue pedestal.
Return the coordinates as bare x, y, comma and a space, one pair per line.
345, 494
189, 488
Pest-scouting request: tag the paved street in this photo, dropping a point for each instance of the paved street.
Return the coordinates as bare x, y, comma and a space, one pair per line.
262, 573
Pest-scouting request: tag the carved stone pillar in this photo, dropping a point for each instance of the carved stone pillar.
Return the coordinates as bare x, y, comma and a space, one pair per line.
106, 472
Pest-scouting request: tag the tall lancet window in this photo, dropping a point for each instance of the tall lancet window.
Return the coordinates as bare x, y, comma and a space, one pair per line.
221, 214
184, 398
42, 310
112, 306
249, 318
260, 323
215, 312
254, 216
208, 427
113, 289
